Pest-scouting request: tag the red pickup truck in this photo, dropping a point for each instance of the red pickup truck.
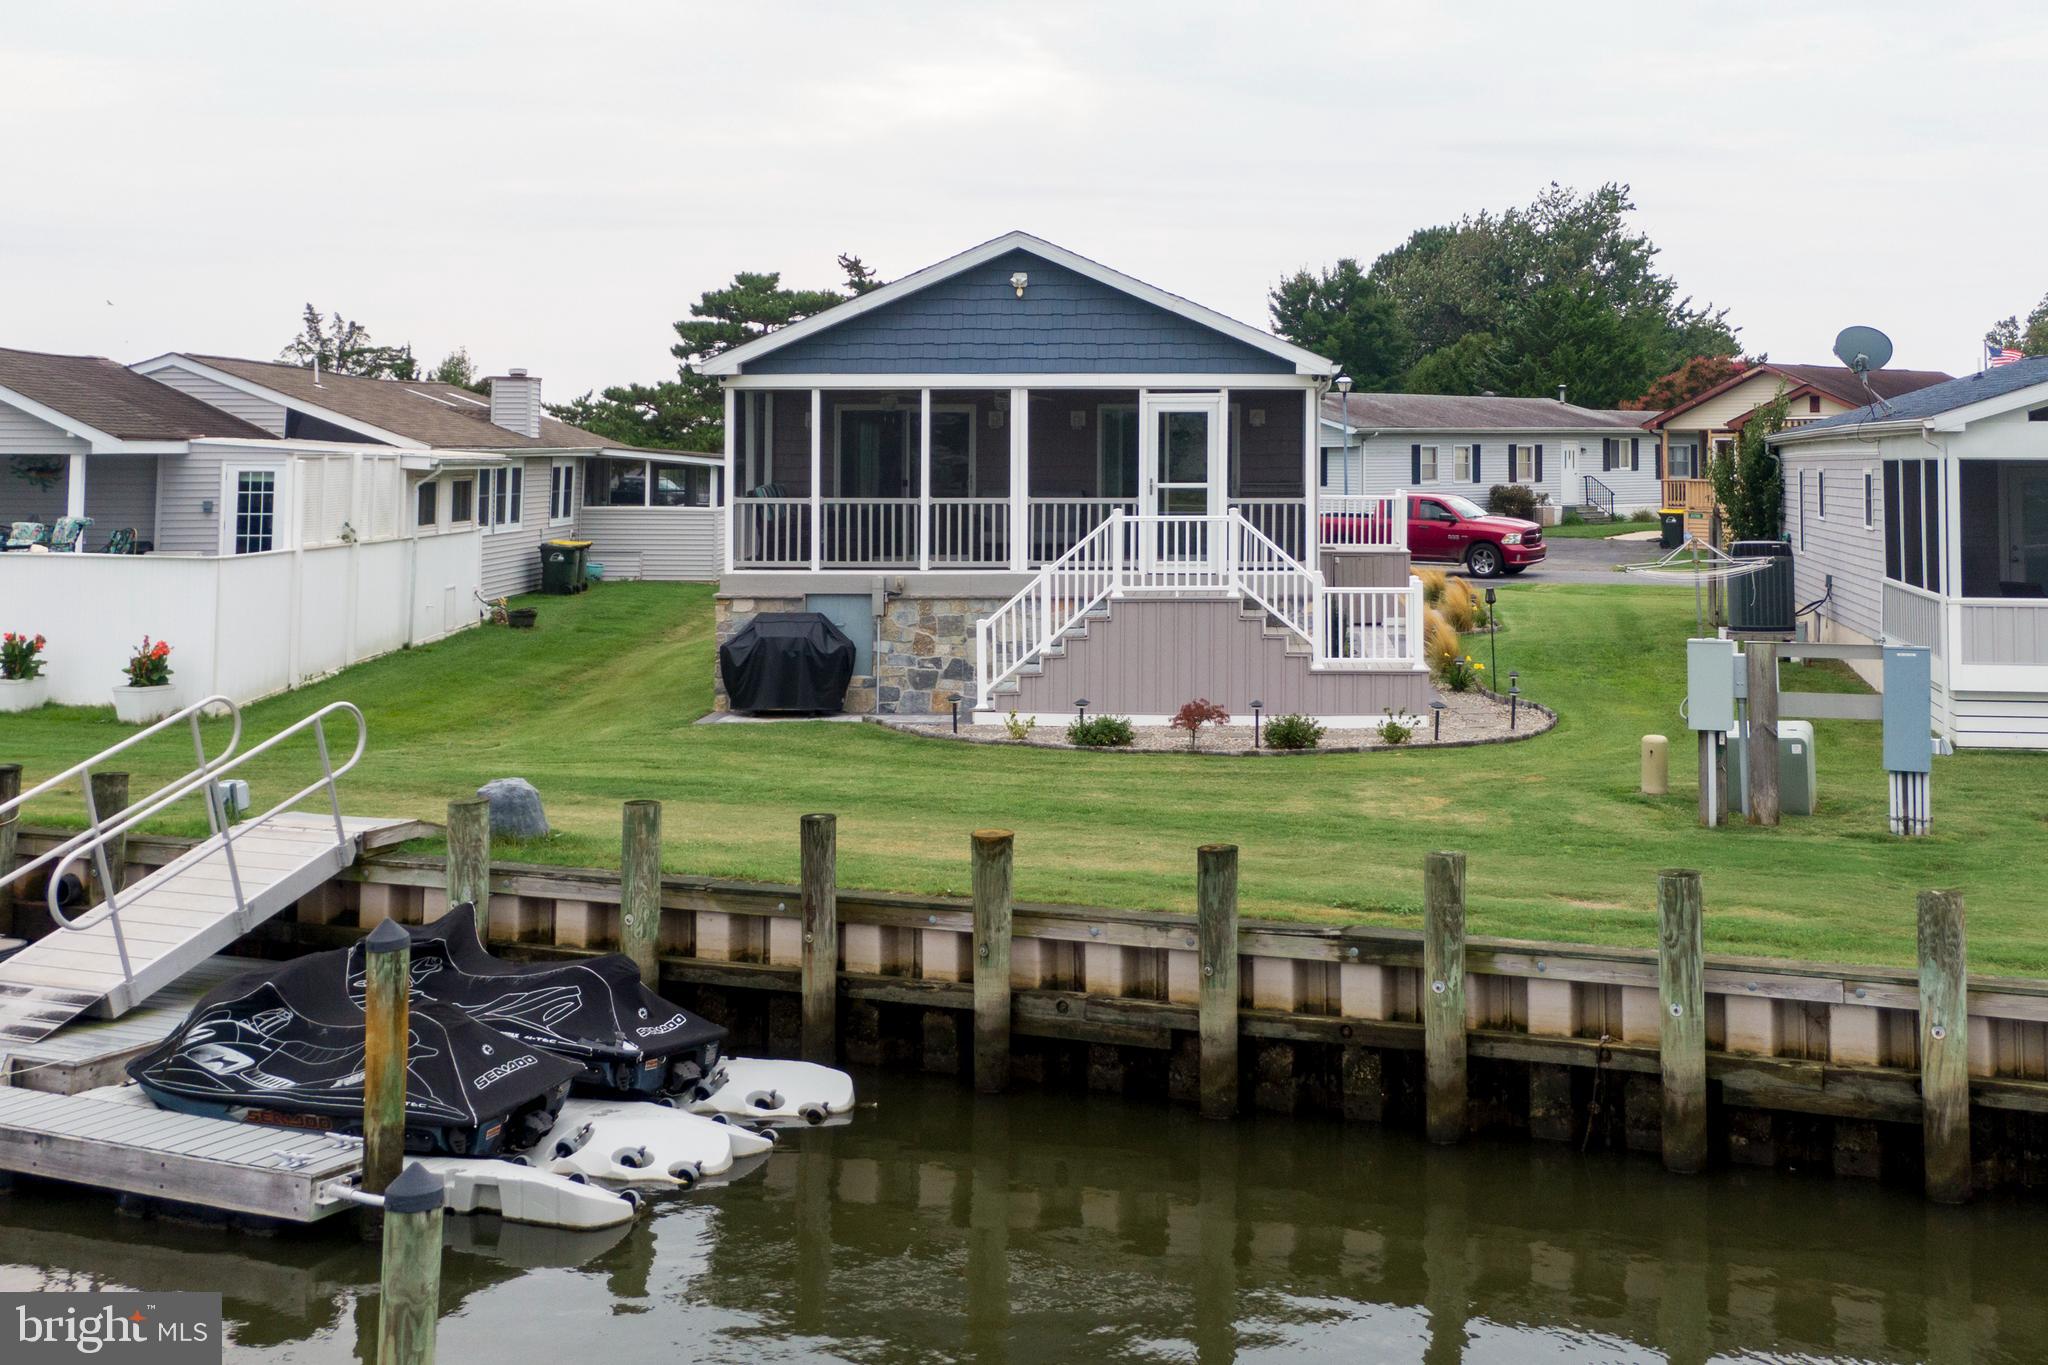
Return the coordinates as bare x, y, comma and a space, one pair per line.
1447, 528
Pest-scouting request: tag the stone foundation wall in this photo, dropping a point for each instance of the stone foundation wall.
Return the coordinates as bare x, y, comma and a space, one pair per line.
923, 656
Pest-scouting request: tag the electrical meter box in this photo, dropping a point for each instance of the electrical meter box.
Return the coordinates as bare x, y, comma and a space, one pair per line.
1908, 710
1710, 684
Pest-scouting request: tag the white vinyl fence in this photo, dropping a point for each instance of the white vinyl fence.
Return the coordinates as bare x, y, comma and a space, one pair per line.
244, 626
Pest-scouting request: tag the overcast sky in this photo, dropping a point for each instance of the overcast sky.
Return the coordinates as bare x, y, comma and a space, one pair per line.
551, 185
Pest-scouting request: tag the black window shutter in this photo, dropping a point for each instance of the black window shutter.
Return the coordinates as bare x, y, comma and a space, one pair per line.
1635, 452
1415, 464
1658, 452
1539, 464
1475, 463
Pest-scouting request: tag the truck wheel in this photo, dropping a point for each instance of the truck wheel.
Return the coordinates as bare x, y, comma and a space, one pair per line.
1483, 560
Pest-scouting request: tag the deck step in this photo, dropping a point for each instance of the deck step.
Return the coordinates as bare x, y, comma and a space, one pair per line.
171, 921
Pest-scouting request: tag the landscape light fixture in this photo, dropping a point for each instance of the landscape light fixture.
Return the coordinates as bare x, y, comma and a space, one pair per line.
956, 713
1436, 732
1514, 697
1256, 704
1081, 709
1492, 634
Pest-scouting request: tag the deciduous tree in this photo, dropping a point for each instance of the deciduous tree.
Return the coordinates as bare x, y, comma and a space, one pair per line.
1749, 484
342, 346
1343, 316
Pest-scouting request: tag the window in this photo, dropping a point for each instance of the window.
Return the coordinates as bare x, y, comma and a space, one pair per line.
1912, 523
1813, 402
1522, 464
1461, 463
1116, 451
615, 483
1428, 509
562, 491
1869, 500
680, 485
255, 524
1681, 464
502, 493
428, 513
1427, 464
461, 501
1820, 486
1802, 511
647, 483
952, 452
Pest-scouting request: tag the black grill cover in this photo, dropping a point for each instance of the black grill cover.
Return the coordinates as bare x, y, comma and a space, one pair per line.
787, 661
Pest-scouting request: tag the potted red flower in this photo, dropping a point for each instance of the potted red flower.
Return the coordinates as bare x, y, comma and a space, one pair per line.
22, 684
146, 696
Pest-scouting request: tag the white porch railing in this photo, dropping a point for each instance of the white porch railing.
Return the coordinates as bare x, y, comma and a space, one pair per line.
1058, 525
972, 532
772, 533
867, 533
1282, 520
1373, 521
1141, 555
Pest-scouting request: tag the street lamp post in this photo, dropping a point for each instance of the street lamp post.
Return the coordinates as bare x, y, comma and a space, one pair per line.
1344, 387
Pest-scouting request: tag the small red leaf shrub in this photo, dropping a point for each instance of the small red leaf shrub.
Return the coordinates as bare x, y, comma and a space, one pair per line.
1193, 715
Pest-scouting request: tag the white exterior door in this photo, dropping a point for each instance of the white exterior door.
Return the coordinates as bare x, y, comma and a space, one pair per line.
1568, 487
1181, 453
255, 509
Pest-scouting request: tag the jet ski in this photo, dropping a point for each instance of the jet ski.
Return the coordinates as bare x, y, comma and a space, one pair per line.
285, 1047
627, 1040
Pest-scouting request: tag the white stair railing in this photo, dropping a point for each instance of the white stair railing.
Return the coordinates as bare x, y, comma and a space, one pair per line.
1059, 595
1274, 579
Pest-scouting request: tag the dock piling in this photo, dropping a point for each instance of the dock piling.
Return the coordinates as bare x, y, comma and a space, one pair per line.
409, 1306
1682, 1021
1760, 755
1944, 1046
820, 955
1443, 995
387, 1025
469, 856
1216, 917
640, 888
992, 851
109, 799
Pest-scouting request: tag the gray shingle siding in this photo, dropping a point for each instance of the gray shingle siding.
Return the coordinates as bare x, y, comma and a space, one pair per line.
974, 323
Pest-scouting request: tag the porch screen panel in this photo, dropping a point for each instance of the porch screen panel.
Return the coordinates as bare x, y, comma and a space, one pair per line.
1992, 567
1909, 523
1894, 551
1930, 508
1912, 523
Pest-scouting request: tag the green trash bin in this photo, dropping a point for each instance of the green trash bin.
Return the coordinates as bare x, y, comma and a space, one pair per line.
1674, 527
562, 566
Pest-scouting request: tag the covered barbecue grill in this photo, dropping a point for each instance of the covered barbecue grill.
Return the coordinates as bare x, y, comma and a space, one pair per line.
787, 661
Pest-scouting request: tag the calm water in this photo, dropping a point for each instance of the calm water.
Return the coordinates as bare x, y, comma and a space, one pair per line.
1056, 1228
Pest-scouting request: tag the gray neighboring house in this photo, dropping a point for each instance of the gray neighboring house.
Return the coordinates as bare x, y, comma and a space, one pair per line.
1019, 477
1443, 443
1924, 520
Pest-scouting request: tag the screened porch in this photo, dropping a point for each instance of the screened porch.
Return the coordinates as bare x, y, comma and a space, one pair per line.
1000, 478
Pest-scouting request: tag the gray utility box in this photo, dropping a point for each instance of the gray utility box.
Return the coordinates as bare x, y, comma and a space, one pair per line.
1797, 780
1762, 602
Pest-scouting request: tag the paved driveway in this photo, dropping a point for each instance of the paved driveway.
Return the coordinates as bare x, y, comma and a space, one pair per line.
1588, 561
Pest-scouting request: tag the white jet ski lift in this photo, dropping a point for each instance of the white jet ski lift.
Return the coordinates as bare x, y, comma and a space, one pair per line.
642, 1143
776, 1093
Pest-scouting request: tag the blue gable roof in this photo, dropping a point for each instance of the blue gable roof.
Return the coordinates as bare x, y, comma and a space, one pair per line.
974, 323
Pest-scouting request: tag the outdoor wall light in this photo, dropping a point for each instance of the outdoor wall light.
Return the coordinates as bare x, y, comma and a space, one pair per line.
1436, 720
1078, 418
1257, 417
1018, 281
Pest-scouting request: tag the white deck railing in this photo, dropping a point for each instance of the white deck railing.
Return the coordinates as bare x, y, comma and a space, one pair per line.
867, 533
1060, 524
1370, 521
1282, 520
772, 533
972, 532
1144, 555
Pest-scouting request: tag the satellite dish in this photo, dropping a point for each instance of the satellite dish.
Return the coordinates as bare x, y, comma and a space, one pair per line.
1863, 349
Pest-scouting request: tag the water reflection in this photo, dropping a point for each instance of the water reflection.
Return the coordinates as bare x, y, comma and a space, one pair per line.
942, 1226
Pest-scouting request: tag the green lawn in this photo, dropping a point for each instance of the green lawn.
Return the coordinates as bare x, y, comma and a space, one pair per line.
595, 707
1596, 530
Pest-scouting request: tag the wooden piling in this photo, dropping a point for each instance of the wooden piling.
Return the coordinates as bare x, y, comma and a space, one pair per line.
1216, 916
640, 887
109, 799
1760, 757
10, 787
409, 1305
1682, 1022
469, 857
819, 978
387, 1025
992, 856
1443, 995
1944, 1046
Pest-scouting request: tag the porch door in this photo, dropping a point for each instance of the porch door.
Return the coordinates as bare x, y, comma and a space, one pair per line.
2026, 529
1182, 456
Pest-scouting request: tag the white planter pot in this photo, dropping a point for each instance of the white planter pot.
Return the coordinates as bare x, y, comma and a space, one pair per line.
141, 705
23, 694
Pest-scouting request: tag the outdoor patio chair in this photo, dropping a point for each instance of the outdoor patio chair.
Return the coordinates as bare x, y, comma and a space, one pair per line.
24, 534
121, 542
69, 532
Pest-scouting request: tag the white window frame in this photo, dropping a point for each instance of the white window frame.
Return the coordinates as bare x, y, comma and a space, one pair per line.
1461, 463
281, 507
1869, 498
1429, 464
440, 505
507, 484
449, 519
1522, 464
561, 492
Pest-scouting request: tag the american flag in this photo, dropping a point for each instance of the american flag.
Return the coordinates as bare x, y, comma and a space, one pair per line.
2005, 355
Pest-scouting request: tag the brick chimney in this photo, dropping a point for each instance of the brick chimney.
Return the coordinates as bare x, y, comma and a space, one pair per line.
515, 402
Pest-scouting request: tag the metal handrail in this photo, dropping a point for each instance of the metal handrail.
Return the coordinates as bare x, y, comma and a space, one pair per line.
10, 810
206, 781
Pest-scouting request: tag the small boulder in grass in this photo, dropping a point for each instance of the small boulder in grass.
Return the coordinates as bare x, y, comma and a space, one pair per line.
515, 808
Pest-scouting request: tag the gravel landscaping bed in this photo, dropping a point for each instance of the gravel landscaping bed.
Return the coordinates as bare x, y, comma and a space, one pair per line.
1468, 718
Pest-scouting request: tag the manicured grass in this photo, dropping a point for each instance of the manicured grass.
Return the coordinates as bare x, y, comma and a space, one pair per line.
1596, 530
595, 708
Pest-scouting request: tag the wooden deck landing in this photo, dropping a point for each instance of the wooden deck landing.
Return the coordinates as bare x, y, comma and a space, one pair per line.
86, 1054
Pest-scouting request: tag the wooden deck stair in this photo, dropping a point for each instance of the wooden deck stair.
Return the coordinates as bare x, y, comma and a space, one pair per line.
175, 918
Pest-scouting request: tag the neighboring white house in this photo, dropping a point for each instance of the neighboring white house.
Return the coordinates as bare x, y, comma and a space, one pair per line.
283, 524
1571, 456
1924, 520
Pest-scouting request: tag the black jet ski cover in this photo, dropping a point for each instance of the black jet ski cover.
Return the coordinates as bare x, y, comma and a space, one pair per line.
594, 1012
285, 1047
787, 661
